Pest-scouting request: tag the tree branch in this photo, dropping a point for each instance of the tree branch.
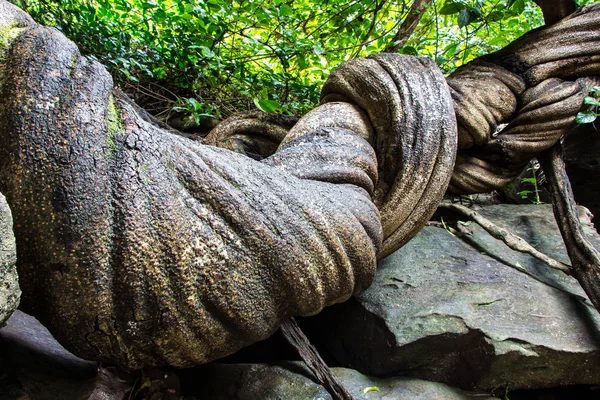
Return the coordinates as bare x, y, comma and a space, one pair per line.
292, 333
408, 26
585, 259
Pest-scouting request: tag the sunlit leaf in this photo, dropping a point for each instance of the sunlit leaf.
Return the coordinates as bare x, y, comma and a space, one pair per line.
591, 100
268, 106
285, 10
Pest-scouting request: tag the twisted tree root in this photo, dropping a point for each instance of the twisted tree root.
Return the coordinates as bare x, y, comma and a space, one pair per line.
585, 259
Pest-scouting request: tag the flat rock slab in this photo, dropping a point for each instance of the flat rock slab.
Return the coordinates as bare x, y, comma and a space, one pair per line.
472, 313
9, 283
292, 380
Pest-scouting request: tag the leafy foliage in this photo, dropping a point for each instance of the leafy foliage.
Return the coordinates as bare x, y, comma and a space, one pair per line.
233, 55
591, 107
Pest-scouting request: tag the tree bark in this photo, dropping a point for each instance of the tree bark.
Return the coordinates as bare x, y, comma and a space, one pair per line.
138, 247
585, 259
408, 26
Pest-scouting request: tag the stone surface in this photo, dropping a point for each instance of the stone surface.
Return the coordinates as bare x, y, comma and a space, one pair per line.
9, 283
463, 312
292, 381
39, 368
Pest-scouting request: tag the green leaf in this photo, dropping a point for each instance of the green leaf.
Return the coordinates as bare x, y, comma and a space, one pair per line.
464, 18
206, 52
128, 75
518, 6
524, 193
318, 49
268, 106
301, 60
159, 72
591, 100
451, 8
495, 16
371, 389
149, 4
194, 104
451, 49
518, 265
285, 10
585, 117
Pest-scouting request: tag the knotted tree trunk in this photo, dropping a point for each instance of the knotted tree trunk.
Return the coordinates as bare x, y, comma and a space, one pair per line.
138, 247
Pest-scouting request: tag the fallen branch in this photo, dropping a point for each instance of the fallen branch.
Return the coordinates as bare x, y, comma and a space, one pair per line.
294, 335
585, 259
511, 240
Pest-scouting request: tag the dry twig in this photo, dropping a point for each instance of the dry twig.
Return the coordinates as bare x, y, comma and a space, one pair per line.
292, 333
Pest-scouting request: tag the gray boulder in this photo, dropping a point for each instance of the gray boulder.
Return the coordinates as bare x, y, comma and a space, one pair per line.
9, 284
472, 313
292, 381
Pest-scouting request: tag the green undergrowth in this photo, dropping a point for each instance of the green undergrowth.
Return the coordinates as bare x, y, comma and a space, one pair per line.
205, 58
234, 55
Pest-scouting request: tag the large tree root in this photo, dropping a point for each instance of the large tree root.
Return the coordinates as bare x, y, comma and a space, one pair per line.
140, 248
585, 259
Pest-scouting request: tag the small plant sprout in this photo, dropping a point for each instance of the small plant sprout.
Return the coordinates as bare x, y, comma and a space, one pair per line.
532, 195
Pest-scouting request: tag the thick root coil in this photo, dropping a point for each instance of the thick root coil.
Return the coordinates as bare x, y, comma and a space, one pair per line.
513, 104
408, 104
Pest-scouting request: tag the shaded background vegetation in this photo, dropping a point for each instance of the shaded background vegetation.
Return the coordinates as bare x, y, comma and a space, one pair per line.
217, 57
